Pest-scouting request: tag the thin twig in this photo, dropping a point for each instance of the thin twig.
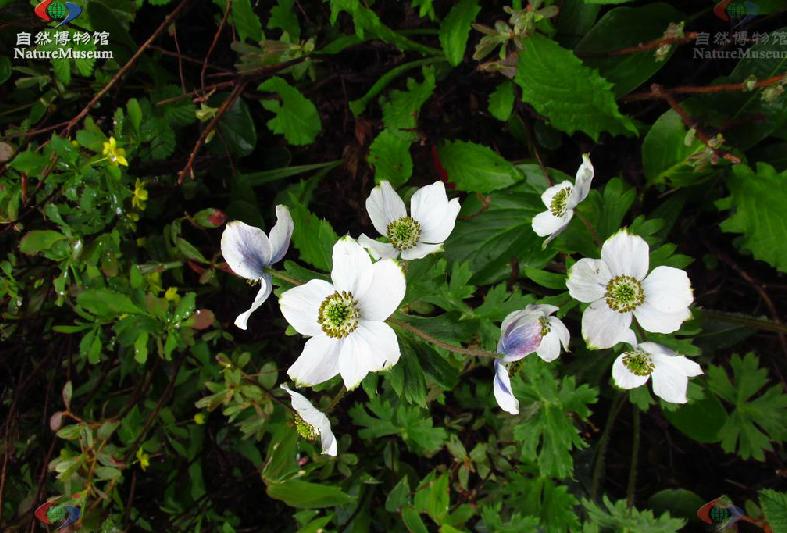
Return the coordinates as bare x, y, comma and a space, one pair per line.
754, 323
655, 44
472, 352
703, 89
214, 43
601, 452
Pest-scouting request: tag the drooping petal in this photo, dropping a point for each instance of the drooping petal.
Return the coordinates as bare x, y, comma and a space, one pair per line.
315, 418
280, 233
689, 367
581, 182
587, 280
430, 207
421, 250
378, 250
668, 289
318, 362
657, 321
552, 191
384, 206
557, 327
384, 293
502, 389
351, 267
371, 347
520, 335
262, 295
626, 255
603, 327
546, 224
625, 378
246, 249
670, 377
549, 349
301, 305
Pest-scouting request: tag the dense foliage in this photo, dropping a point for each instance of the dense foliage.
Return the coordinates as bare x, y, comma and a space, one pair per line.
134, 399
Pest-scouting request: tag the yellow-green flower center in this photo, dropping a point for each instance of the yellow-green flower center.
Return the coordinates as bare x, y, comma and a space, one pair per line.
545, 327
304, 429
403, 233
638, 362
624, 294
559, 203
338, 315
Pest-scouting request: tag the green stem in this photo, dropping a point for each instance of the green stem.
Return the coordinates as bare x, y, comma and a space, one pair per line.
754, 323
473, 352
632, 484
598, 468
590, 228
277, 274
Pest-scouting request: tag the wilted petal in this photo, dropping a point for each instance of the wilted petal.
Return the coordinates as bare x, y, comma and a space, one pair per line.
262, 295
502, 389
246, 249
582, 182
280, 233
315, 418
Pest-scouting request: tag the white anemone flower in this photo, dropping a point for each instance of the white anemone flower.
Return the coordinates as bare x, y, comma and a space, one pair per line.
311, 423
618, 286
561, 199
345, 318
431, 222
522, 333
670, 372
249, 252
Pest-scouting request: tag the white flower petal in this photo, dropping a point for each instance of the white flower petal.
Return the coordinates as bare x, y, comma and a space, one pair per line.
602, 327
318, 362
625, 378
551, 192
384, 293
520, 335
371, 347
384, 206
378, 250
420, 250
315, 418
652, 319
262, 295
557, 327
581, 182
689, 367
668, 289
246, 249
430, 207
670, 377
444, 227
280, 233
587, 280
542, 309
626, 255
351, 267
547, 224
502, 389
549, 349
301, 305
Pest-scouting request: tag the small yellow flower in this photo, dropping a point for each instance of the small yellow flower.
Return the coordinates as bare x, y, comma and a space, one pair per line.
140, 195
171, 294
143, 459
199, 418
117, 156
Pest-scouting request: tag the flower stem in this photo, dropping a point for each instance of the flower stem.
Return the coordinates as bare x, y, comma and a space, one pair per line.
473, 352
590, 228
754, 323
632, 484
598, 469
276, 274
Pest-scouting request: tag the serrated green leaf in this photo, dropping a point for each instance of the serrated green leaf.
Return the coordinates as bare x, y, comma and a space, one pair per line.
501, 101
313, 237
618, 516
666, 157
476, 168
246, 21
389, 154
572, 96
455, 29
432, 496
296, 117
284, 17
774, 506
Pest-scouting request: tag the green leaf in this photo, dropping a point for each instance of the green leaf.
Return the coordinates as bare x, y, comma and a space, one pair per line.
759, 199
284, 17
389, 154
134, 113
236, 129
246, 21
548, 434
455, 29
774, 506
141, 348
570, 95
701, 420
666, 157
680, 503
37, 241
433, 497
401, 109
313, 237
296, 117
476, 168
413, 521
626, 27
759, 415
299, 493
107, 303
501, 101
399, 496
618, 516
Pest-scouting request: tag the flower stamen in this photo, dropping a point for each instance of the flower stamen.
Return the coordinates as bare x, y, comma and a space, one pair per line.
559, 204
304, 429
624, 294
404, 233
639, 363
339, 315
545, 327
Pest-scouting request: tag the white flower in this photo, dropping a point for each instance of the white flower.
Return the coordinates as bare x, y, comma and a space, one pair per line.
618, 286
670, 371
345, 319
522, 333
248, 252
432, 221
310, 422
561, 199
